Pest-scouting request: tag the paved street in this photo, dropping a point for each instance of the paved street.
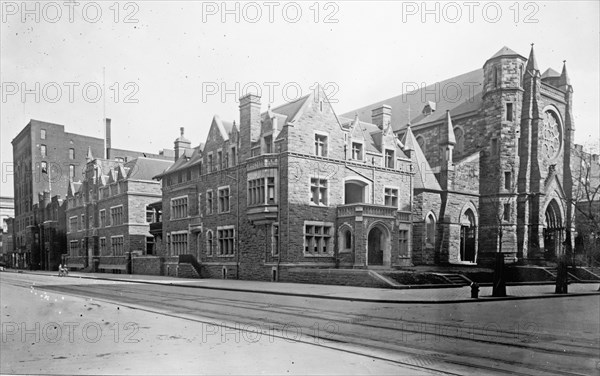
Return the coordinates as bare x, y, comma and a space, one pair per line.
111, 326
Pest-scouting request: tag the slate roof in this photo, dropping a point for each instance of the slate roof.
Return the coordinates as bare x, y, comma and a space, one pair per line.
143, 168
470, 100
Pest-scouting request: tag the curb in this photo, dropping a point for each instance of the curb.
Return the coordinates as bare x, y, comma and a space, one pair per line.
329, 297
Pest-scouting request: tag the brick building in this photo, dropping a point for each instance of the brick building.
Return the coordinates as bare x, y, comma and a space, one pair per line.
496, 177
108, 213
46, 159
292, 187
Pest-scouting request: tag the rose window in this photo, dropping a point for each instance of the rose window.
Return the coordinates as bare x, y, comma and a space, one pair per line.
551, 135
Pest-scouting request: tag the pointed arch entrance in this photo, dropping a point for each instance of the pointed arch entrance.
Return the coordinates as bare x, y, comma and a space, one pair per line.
378, 246
553, 230
468, 231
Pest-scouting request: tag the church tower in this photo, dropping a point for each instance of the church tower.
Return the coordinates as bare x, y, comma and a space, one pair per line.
499, 140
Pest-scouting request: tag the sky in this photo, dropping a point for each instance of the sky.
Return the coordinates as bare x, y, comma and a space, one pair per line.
155, 66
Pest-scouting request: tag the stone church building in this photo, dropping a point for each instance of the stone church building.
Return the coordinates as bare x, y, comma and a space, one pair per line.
492, 151
427, 177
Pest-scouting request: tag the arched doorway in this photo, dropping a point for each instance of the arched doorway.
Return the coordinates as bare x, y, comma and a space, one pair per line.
375, 246
378, 247
553, 230
468, 229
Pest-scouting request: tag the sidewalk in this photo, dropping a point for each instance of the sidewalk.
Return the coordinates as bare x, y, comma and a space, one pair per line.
362, 294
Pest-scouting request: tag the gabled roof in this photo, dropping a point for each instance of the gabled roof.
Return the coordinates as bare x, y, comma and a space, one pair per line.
290, 110
189, 158
470, 83
424, 177
143, 168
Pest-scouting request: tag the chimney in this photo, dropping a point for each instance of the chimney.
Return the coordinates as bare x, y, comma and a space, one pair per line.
107, 143
249, 124
181, 144
382, 116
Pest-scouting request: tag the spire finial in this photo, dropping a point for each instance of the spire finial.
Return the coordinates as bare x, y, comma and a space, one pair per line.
181, 129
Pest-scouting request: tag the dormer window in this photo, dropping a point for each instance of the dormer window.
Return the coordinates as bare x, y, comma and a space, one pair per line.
357, 151
268, 144
389, 158
429, 108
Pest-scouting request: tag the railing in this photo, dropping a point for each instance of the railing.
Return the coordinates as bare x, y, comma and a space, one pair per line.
156, 227
262, 161
370, 210
190, 259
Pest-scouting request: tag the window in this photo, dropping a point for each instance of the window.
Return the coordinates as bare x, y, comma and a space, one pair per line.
506, 212
209, 202
74, 247
83, 222
43, 150
275, 239
102, 218
233, 159
347, 244
44, 167
223, 200
460, 140
72, 172
270, 190
116, 245
180, 177
200, 204
225, 237
507, 180
256, 192
71, 153
73, 224
430, 230
494, 146
219, 160
43, 134
149, 214
357, 151
268, 144
149, 245
389, 158
179, 243
102, 246
509, 112
318, 239
320, 145
403, 243
116, 215
179, 207
318, 191
91, 222
188, 174
210, 162
391, 197
209, 243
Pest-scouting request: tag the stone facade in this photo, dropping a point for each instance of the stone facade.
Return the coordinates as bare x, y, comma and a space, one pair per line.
295, 186
108, 215
501, 157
